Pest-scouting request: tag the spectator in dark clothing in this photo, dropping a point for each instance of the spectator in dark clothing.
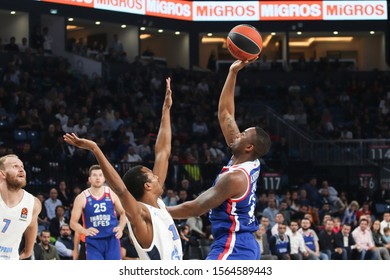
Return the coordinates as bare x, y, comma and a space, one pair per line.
175, 172
58, 221
43, 220
11, 46
327, 241
65, 243
37, 39
50, 140
312, 191
128, 250
345, 240
65, 196
381, 198
364, 193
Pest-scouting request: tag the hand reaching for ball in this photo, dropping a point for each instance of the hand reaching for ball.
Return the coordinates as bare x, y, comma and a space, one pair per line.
239, 64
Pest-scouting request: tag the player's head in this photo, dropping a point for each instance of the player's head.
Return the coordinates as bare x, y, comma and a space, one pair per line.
138, 179
253, 140
96, 177
12, 171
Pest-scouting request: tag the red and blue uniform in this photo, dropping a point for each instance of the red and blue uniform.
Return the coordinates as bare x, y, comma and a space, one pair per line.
234, 222
99, 212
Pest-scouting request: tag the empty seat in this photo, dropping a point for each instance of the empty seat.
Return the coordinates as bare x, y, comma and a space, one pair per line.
20, 135
32, 135
3, 124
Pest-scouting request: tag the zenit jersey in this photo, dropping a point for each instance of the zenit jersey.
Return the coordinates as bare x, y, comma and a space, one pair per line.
13, 223
99, 212
166, 244
237, 215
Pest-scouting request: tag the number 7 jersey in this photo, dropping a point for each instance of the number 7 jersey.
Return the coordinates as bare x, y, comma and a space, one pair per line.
13, 223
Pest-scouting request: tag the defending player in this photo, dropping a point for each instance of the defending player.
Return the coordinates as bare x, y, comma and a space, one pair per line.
150, 225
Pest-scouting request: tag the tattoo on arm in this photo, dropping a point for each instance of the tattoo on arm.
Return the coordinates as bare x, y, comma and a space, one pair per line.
230, 122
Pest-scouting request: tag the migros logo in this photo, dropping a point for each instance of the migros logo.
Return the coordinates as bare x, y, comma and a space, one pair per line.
171, 9
82, 3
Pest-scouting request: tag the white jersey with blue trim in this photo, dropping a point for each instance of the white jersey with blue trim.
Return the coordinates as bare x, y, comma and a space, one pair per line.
14, 222
166, 244
236, 215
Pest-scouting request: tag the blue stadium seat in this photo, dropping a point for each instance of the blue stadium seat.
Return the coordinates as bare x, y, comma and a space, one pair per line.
3, 124
20, 135
32, 135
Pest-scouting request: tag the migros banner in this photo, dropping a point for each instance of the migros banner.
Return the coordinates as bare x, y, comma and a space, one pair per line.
241, 10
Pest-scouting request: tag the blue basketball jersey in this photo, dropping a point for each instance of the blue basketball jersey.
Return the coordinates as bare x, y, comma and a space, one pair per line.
310, 237
99, 212
236, 215
281, 245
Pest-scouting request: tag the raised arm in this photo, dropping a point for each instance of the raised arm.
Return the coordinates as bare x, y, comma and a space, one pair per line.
230, 185
132, 207
164, 137
226, 106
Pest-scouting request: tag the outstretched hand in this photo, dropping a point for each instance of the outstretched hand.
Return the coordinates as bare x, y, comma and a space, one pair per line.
239, 64
82, 143
168, 93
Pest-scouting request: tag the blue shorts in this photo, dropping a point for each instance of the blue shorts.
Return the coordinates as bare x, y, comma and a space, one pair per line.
241, 246
108, 248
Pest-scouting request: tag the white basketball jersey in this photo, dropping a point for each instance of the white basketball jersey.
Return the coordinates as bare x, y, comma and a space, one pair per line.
166, 244
13, 223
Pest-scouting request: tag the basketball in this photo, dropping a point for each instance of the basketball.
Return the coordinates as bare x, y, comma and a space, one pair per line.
244, 42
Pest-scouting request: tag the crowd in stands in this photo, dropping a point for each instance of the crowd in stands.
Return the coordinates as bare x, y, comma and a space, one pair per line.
42, 97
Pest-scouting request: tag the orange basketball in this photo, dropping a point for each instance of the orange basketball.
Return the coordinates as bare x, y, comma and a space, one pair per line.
244, 42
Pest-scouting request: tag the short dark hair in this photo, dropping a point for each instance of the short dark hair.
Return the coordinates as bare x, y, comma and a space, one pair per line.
134, 180
262, 142
94, 167
44, 231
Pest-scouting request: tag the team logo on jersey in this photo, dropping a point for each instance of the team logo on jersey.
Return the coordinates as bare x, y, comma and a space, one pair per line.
108, 198
175, 254
23, 214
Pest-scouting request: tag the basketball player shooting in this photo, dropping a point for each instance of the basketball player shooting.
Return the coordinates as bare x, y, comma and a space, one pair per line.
232, 197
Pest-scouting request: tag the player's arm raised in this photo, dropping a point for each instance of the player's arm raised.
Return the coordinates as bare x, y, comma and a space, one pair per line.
164, 137
226, 106
134, 211
229, 185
